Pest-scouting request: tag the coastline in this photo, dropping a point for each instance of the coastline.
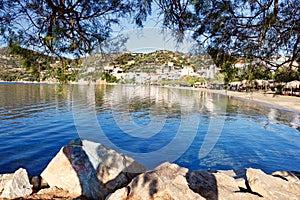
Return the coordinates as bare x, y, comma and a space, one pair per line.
287, 103
248, 183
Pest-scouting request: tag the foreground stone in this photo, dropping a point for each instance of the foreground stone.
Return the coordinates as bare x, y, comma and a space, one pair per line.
15, 185
89, 169
170, 181
51, 193
167, 181
270, 187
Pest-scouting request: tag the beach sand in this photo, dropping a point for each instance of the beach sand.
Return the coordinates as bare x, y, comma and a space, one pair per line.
290, 103
282, 102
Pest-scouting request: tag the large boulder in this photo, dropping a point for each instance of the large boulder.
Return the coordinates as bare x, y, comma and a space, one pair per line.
89, 169
15, 185
285, 186
170, 181
167, 181
224, 184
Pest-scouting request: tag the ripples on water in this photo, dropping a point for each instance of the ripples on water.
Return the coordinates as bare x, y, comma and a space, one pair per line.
221, 132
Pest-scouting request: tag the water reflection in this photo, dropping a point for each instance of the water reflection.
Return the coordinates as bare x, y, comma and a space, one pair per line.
35, 121
193, 128
229, 132
24, 100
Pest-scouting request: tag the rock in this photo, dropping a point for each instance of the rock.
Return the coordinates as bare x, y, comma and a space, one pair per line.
218, 185
287, 175
15, 185
271, 187
119, 194
170, 181
35, 181
89, 169
167, 181
50, 193
203, 183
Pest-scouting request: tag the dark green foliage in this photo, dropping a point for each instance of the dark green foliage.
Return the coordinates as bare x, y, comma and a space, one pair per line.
285, 75
65, 26
27, 65
245, 29
109, 78
229, 72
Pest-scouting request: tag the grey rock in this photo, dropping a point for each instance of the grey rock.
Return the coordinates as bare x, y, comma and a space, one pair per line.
271, 187
89, 169
167, 181
218, 185
287, 175
15, 185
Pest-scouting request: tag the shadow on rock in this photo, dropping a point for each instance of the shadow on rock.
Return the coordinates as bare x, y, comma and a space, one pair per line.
90, 170
203, 183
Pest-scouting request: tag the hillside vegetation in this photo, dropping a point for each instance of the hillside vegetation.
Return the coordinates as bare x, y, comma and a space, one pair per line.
19, 64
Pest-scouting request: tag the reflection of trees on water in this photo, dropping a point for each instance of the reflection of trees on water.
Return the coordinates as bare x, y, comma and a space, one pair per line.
175, 101
137, 104
261, 113
140, 98
19, 100
160, 101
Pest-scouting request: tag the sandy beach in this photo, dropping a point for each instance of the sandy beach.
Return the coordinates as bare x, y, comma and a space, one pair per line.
290, 103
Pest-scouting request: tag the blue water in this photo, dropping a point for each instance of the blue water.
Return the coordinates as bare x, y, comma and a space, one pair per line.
195, 129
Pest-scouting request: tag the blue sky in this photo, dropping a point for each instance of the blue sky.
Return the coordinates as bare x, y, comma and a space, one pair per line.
153, 38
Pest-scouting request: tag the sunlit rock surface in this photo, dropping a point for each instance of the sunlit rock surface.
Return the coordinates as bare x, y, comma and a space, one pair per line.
89, 169
170, 181
15, 185
282, 186
167, 181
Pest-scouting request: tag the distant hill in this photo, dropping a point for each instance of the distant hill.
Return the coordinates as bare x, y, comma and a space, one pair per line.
19, 64
138, 62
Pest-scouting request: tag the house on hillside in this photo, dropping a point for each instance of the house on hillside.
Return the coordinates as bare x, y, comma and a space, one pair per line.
187, 71
208, 72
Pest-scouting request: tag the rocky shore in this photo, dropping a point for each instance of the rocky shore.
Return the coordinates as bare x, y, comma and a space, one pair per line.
88, 170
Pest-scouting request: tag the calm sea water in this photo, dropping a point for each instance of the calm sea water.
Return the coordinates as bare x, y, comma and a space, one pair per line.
195, 129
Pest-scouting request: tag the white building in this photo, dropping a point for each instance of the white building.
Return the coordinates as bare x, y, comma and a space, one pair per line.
187, 71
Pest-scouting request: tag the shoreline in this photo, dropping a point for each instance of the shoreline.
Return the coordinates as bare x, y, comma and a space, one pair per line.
65, 178
281, 102
287, 103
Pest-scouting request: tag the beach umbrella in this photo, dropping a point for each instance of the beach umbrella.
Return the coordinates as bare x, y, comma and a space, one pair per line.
235, 83
258, 82
293, 84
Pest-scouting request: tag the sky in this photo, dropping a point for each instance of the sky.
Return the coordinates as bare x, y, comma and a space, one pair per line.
150, 39
152, 36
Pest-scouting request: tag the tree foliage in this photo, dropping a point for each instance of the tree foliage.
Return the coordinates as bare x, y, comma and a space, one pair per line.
65, 26
254, 29
261, 29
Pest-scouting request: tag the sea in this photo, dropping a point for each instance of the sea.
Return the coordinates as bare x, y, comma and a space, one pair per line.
194, 128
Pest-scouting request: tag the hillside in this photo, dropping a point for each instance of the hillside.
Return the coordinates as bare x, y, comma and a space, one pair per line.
19, 64
151, 62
